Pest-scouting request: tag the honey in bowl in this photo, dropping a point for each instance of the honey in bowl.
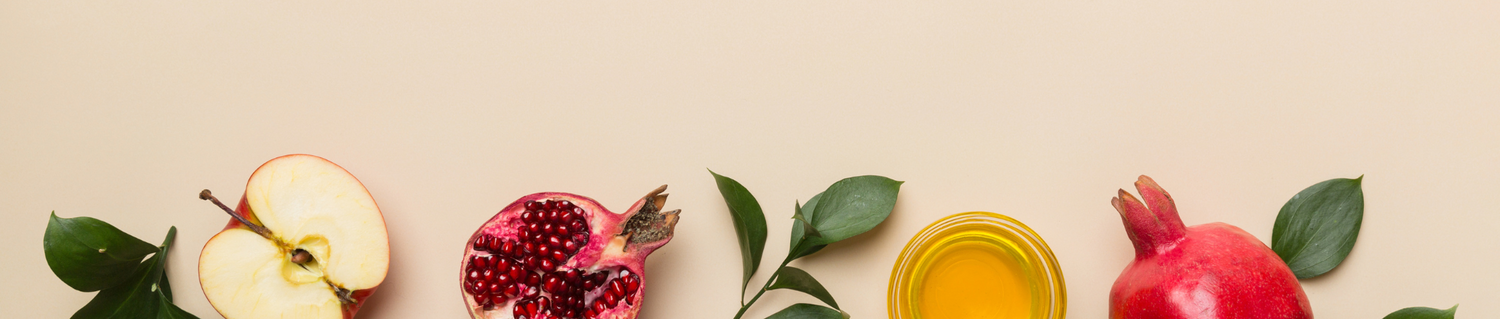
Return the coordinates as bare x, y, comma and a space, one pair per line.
977, 265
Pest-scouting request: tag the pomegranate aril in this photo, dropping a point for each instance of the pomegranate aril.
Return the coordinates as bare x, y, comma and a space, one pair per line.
480, 243
616, 288
581, 238
516, 272
493, 244
508, 248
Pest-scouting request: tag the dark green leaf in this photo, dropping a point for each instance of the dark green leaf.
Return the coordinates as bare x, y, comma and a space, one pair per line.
1423, 313
170, 311
91, 255
807, 311
798, 231
796, 279
853, 206
749, 223
141, 295
1316, 229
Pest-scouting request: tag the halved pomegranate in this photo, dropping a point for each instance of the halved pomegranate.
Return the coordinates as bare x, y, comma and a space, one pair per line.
560, 255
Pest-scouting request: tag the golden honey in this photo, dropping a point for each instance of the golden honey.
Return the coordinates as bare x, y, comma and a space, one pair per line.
977, 265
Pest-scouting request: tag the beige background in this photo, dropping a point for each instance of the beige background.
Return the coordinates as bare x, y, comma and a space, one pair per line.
123, 110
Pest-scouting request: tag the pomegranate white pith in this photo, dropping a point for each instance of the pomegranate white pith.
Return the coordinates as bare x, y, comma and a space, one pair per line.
560, 255
317, 246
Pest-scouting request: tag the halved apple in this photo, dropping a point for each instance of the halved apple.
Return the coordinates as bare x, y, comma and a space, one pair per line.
306, 241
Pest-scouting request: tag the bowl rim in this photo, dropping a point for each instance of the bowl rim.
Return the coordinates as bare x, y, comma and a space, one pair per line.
896, 299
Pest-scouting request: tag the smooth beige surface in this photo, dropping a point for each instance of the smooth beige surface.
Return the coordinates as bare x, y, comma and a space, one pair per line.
124, 110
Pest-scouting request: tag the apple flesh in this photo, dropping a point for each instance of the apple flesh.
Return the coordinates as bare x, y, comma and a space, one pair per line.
306, 241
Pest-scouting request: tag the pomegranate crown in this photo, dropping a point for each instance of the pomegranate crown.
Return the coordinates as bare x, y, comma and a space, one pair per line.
1154, 228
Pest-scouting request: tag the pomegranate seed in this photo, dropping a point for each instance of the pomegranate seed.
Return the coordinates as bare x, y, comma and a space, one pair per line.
528, 248
581, 238
520, 310
495, 288
610, 299
572, 276
616, 288
531, 292
533, 280
528, 216
532, 205
549, 204
473, 275
508, 248
512, 291
516, 272
565, 205
534, 228
479, 243
487, 274
576, 225
546, 264
570, 247
559, 256
632, 282
599, 306
502, 263
492, 244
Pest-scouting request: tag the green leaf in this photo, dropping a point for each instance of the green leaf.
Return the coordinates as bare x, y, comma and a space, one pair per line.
797, 279
1423, 313
799, 231
749, 223
853, 206
1316, 229
141, 295
91, 255
807, 311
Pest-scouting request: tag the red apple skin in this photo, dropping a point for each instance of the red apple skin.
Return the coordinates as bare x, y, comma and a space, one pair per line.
243, 209
1207, 271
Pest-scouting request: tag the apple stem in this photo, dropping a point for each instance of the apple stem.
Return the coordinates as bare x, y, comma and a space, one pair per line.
258, 229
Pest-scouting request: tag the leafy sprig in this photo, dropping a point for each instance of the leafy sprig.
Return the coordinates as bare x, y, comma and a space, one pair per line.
847, 208
1316, 230
91, 255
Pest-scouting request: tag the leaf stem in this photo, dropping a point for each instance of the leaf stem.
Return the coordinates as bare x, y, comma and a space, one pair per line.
762, 289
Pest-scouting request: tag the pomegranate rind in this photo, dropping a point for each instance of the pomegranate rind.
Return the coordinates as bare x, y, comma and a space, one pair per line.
1213, 270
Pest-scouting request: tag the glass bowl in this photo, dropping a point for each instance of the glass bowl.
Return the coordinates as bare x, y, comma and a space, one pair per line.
1009, 253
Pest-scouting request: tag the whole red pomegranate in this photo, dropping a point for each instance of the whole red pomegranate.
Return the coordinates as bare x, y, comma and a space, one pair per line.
1206, 271
559, 255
